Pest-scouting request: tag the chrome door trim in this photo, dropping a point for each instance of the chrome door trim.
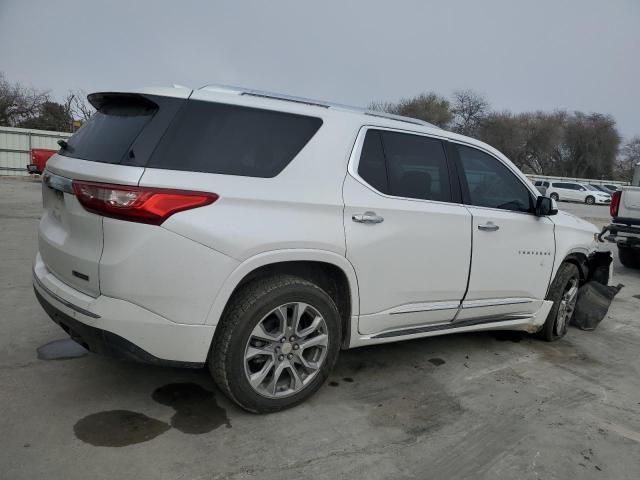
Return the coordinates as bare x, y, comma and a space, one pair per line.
494, 302
424, 307
451, 325
354, 160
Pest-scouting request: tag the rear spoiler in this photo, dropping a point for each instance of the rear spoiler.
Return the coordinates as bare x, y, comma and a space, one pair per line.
105, 101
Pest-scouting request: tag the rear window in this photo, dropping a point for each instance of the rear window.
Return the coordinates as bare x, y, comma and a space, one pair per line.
110, 132
233, 140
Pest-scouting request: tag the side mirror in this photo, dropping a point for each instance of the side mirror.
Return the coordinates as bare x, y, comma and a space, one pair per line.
545, 206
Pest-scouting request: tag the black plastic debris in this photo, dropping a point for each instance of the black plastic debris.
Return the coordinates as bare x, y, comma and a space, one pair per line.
592, 305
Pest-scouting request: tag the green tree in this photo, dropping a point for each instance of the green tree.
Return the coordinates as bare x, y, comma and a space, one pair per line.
429, 107
51, 116
591, 142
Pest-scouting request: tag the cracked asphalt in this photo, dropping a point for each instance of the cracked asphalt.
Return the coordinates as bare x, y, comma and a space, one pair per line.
494, 406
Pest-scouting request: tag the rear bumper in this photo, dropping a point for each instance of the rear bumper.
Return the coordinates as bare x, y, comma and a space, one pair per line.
117, 328
622, 235
104, 342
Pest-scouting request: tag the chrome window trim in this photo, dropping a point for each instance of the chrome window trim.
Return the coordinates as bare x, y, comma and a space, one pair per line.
516, 173
354, 160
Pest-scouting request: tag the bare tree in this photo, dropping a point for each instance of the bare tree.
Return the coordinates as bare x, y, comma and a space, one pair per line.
18, 103
78, 106
469, 109
429, 107
629, 158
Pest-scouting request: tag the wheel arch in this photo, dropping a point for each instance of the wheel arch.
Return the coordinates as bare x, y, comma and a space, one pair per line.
329, 270
577, 257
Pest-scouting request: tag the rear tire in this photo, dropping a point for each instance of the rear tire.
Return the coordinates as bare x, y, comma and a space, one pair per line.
629, 257
567, 279
590, 200
263, 361
554, 196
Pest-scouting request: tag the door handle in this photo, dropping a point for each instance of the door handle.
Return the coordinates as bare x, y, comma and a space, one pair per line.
488, 227
367, 217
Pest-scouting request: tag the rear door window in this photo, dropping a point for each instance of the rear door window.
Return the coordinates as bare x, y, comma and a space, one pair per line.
405, 165
233, 140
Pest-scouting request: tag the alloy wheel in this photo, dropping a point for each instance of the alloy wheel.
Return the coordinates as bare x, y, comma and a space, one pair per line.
567, 307
286, 350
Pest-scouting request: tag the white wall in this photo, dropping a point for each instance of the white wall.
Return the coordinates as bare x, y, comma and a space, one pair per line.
16, 145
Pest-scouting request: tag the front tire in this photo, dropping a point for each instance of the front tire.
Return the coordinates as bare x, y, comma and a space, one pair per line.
590, 200
276, 343
564, 293
629, 257
554, 196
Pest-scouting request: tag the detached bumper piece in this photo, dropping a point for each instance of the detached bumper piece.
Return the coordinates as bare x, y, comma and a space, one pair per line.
593, 304
103, 342
595, 295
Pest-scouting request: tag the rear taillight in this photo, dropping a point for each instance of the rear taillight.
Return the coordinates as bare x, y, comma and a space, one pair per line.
615, 203
138, 204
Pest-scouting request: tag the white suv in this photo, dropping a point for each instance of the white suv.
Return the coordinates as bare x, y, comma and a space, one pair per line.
578, 192
260, 234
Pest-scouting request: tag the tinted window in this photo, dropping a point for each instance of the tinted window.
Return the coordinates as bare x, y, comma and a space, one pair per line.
111, 131
372, 166
492, 184
405, 165
233, 140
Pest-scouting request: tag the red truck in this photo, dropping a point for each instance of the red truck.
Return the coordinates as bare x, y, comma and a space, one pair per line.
39, 157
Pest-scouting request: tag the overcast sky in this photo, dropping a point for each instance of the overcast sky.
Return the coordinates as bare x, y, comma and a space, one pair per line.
522, 55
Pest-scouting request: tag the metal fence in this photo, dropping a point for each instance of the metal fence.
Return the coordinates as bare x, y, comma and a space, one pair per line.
16, 145
591, 181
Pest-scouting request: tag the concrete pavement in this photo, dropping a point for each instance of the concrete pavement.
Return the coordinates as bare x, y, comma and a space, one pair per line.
495, 406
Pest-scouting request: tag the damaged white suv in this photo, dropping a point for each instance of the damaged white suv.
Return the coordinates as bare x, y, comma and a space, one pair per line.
259, 234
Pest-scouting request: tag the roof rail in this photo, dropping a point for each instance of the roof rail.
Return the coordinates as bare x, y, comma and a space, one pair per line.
315, 103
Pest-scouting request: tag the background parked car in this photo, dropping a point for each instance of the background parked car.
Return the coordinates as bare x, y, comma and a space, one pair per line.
600, 188
39, 157
577, 192
542, 187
